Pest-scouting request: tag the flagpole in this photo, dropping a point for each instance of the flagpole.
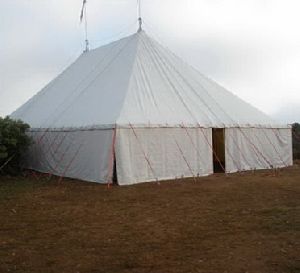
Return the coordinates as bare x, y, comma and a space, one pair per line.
84, 14
86, 29
139, 15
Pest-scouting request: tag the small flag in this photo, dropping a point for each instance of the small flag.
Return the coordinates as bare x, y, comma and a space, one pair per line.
82, 10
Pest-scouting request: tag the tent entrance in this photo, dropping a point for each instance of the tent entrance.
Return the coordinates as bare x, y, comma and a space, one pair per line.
115, 176
218, 141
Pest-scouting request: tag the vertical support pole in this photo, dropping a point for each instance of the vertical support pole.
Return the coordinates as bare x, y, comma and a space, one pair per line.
111, 159
86, 30
139, 16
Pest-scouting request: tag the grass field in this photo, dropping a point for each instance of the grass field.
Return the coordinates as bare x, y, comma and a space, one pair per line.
240, 223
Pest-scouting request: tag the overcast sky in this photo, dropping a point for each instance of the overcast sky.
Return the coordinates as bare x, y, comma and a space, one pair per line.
251, 47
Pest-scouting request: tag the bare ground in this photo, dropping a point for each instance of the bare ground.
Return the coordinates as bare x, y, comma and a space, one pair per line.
246, 222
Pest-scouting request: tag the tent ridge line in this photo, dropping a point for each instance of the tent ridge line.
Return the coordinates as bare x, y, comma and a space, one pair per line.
129, 82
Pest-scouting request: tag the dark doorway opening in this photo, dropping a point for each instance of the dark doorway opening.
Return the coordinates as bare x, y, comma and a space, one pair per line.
218, 141
115, 177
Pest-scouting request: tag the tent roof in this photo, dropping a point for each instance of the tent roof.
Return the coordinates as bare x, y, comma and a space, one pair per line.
136, 82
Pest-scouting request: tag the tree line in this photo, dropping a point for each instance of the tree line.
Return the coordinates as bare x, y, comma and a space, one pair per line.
296, 140
13, 143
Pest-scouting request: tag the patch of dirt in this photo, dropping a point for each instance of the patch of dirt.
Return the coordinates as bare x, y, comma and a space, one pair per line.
247, 222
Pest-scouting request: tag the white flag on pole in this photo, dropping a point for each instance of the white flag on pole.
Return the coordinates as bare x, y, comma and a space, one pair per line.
82, 10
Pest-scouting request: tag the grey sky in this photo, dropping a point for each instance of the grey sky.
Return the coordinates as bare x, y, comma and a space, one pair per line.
251, 47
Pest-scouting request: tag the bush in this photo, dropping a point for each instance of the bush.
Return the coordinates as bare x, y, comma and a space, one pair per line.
296, 141
13, 143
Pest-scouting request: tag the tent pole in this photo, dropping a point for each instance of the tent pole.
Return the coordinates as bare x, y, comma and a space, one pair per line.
86, 31
111, 159
139, 15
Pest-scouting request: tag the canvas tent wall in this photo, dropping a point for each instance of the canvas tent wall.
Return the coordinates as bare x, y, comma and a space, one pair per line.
135, 101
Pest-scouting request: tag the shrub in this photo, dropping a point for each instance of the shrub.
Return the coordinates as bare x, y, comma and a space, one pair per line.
13, 143
296, 141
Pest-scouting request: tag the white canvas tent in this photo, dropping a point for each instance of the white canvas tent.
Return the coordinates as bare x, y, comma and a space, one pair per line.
135, 104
